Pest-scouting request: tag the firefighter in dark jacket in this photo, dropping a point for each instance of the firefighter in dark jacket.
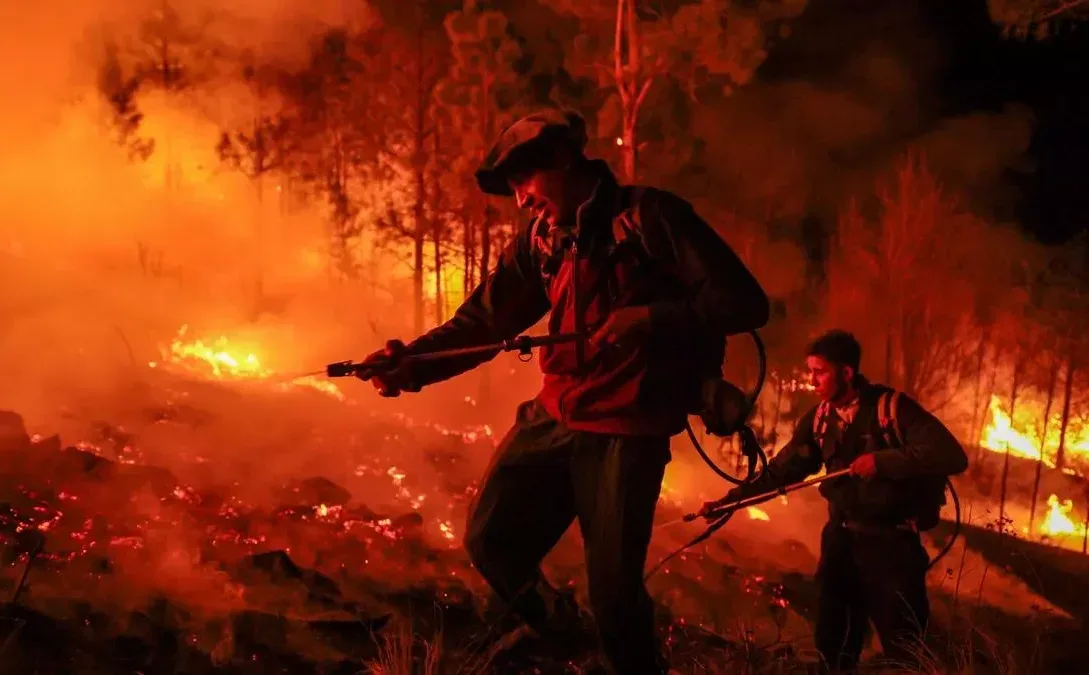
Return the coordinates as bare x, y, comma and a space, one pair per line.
657, 291
872, 563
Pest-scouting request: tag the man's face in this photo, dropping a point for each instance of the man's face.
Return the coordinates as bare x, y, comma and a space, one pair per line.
544, 193
831, 381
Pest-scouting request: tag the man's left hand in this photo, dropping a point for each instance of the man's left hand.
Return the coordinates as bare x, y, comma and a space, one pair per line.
623, 323
864, 466
734, 495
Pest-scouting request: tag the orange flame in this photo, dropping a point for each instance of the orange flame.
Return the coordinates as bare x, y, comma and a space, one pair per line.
219, 360
757, 514
1022, 436
1057, 522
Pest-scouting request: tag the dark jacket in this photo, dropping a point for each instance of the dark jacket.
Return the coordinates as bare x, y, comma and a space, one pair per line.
697, 289
909, 478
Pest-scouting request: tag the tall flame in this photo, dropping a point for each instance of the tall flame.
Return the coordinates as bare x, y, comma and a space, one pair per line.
1022, 436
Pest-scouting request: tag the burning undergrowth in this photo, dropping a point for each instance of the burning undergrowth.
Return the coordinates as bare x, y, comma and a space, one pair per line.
119, 537
300, 542
131, 556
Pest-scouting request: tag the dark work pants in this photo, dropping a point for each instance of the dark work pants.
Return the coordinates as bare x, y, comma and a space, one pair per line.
877, 576
544, 476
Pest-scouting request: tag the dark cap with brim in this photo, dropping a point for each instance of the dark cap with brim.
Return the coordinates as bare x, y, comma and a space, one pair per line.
523, 143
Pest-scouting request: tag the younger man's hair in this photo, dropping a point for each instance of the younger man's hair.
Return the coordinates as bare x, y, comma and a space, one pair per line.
837, 346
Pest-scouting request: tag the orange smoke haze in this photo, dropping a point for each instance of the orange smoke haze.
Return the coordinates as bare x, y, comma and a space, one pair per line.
103, 259
129, 295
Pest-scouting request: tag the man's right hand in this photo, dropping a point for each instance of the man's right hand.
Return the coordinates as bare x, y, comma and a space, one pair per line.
395, 376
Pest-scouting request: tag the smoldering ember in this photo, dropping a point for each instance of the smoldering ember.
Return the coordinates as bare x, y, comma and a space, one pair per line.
209, 209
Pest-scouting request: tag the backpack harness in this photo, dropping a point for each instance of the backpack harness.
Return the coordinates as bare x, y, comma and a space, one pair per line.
888, 423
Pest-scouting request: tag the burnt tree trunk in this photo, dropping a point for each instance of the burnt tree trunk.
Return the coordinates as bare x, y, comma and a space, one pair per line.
340, 201
260, 165
1085, 529
995, 360
977, 411
259, 235
486, 120
1053, 381
486, 227
419, 239
1068, 392
1014, 390
486, 132
419, 166
436, 232
468, 248
170, 80
632, 84
485, 393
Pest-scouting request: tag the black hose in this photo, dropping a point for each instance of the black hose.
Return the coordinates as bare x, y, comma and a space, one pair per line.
956, 526
702, 537
750, 446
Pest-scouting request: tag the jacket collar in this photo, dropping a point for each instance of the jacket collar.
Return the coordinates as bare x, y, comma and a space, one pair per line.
597, 212
593, 216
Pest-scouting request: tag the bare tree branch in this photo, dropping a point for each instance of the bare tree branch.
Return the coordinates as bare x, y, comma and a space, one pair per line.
1063, 8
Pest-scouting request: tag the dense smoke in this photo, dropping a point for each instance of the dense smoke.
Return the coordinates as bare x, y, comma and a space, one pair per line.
104, 258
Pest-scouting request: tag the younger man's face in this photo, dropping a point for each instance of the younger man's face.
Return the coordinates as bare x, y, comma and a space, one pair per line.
830, 380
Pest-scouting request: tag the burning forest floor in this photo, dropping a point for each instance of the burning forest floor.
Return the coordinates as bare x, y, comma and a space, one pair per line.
303, 535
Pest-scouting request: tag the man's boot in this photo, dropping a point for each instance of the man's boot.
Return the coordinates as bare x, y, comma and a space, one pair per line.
556, 625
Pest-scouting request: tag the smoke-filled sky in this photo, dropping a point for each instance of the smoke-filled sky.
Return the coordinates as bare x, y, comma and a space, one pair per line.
38, 40
954, 61
82, 225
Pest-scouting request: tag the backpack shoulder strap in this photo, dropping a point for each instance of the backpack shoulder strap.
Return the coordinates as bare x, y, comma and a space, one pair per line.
820, 420
538, 232
627, 225
888, 404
